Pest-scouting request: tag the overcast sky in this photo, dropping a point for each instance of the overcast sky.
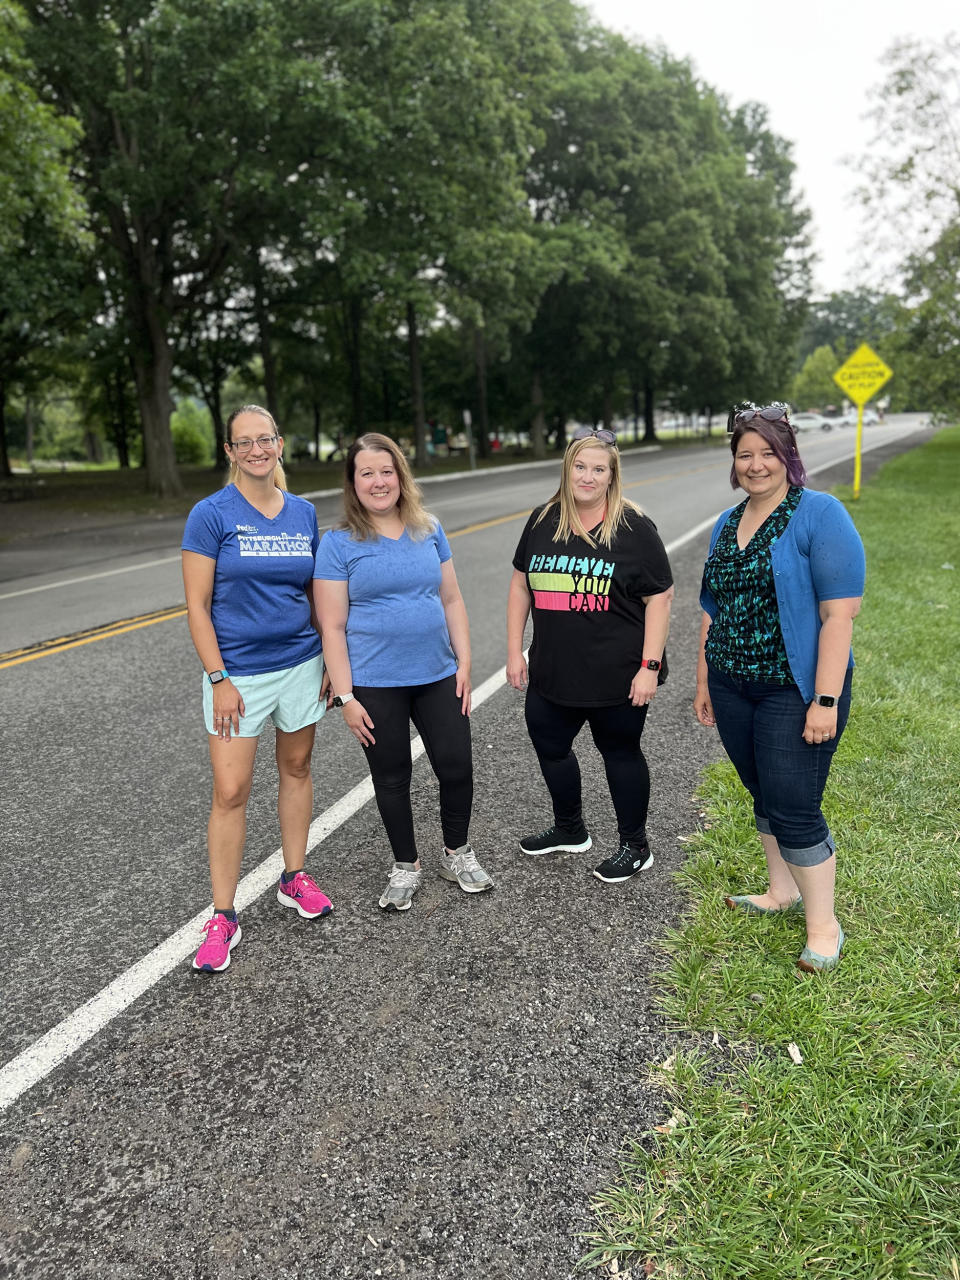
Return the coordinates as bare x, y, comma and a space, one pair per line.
812, 65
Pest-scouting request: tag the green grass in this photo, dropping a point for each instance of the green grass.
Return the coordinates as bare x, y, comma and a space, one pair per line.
847, 1166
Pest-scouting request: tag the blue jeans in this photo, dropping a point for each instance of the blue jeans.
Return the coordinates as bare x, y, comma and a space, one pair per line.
761, 727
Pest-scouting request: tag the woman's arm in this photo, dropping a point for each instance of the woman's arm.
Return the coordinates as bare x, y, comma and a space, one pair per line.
656, 627
702, 705
833, 654
332, 603
518, 610
198, 572
455, 612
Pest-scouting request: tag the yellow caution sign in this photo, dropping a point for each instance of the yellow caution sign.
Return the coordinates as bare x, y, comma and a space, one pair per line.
860, 378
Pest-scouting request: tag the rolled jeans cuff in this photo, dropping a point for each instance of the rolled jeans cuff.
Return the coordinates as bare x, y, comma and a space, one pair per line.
811, 856
763, 826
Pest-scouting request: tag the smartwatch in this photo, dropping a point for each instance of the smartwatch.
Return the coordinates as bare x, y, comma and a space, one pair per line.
824, 700
341, 698
216, 677
652, 664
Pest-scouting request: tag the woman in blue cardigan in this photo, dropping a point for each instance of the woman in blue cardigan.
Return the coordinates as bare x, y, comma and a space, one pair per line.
782, 585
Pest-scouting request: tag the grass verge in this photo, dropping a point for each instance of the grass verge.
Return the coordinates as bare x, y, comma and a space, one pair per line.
848, 1164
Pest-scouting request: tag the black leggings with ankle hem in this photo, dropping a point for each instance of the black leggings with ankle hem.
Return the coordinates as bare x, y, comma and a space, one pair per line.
616, 732
435, 711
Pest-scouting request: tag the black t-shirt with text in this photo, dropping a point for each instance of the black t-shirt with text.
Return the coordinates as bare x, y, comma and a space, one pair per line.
588, 609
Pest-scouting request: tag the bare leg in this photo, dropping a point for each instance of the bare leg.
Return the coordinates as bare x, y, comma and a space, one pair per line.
783, 888
816, 885
232, 762
295, 795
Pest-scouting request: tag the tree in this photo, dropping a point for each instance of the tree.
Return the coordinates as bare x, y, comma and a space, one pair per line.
40, 215
814, 386
181, 103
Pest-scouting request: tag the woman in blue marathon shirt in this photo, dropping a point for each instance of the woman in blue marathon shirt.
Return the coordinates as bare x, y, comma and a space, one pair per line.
248, 556
781, 587
397, 647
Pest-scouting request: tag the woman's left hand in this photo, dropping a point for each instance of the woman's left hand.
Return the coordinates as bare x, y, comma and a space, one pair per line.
821, 724
643, 687
464, 690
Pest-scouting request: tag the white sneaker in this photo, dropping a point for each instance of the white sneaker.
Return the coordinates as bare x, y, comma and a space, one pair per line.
402, 883
463, 867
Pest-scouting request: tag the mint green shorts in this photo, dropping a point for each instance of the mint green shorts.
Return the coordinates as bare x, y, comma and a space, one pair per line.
291, 698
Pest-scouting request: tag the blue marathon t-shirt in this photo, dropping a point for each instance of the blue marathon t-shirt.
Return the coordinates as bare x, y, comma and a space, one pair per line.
262, 580
396, 628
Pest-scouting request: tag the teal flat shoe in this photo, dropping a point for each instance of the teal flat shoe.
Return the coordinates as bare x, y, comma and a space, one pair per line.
810, 962
742, 903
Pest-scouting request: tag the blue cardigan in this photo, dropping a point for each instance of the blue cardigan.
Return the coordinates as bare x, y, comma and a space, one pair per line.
818, 557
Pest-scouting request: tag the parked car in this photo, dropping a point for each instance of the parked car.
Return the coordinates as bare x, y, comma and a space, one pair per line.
810, 422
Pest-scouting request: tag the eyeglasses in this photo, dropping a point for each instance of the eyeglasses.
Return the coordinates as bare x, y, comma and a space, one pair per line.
602, 434
244, 446
775, 414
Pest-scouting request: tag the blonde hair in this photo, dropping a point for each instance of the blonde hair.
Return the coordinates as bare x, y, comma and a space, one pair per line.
279, 475
569, 524
417, 522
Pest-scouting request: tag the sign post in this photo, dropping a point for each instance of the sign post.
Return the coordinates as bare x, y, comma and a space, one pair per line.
860, 378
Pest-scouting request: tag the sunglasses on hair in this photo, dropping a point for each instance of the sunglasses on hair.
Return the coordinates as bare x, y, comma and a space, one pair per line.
772, 413
602, 434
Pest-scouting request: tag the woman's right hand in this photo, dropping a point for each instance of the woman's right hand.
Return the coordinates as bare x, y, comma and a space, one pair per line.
703, 707
227, 708
517, 672
359, 723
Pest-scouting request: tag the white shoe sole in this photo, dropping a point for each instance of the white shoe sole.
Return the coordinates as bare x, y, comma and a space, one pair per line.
623, 879
394, 906
467, 888
559, 848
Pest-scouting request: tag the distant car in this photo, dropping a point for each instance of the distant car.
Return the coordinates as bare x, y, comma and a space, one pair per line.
810, 422
870, 418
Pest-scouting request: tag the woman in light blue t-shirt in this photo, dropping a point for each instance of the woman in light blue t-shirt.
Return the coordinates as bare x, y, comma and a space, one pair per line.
248, 555
397, 647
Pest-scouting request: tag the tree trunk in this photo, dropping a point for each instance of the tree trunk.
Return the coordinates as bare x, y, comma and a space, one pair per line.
4, 459
649, 430
635, 398
483, 416
153, 370
28, 421
538, 426
416, 388
608, 408
316, 406
261, 311
121, 427
352, 339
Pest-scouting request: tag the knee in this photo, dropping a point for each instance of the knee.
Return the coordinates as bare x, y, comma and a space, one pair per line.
230, 796
295, 767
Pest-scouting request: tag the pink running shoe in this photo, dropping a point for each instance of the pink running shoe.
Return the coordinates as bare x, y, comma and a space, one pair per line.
302, 894
222, 935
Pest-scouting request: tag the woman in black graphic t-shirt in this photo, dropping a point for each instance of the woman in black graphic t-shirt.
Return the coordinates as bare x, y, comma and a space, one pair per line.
592, 570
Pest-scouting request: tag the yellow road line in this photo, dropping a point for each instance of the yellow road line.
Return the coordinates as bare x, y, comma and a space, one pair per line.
49, 647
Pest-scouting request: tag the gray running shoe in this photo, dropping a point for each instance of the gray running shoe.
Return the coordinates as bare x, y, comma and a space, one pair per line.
402, 883
463, 867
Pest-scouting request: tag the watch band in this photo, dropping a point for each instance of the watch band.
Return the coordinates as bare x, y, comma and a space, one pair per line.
652, 664
217, 677
341, 698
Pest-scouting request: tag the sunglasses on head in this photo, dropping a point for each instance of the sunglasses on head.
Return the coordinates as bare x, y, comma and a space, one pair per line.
775, 414
602, 434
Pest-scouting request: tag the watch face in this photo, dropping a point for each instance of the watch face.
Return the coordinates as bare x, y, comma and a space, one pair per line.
215, 677
825, 700
338, 701
652, 664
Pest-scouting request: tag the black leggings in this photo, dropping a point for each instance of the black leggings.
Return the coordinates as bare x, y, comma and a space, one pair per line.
616, 733
435, 711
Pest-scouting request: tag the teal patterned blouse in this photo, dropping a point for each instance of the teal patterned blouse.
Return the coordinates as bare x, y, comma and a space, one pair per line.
745, 639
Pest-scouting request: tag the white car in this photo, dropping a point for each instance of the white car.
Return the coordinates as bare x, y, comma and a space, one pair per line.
810, 422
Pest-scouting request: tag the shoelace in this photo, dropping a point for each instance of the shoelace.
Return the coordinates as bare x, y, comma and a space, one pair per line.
214, 925
300, 882
626, 854
466, 862
400, 877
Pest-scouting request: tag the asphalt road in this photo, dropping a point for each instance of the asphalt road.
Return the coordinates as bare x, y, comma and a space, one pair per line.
432, 1095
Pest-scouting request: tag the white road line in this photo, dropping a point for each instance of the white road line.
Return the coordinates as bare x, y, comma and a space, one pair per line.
60, 1042
89, 577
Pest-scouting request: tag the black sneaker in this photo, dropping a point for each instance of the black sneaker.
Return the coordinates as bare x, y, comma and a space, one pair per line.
557, 840
626, 862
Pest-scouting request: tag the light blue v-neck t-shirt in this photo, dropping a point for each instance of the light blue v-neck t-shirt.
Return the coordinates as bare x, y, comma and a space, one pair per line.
396, 628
